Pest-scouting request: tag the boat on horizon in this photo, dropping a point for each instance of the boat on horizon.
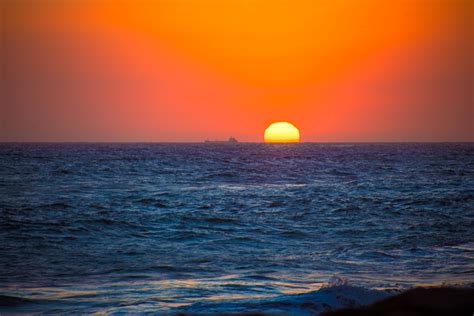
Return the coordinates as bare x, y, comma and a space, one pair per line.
231, 140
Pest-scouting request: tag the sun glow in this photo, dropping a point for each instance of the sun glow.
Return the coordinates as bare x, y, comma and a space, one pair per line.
282, 132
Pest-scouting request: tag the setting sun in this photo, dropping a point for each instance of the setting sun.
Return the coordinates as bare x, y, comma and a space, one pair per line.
282, 132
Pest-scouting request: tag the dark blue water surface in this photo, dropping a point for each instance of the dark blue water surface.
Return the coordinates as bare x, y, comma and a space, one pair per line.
170, 227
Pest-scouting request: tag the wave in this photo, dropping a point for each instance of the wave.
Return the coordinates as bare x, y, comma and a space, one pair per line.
337, 294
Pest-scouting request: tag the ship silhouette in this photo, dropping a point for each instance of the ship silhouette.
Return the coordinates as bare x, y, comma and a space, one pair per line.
231, 140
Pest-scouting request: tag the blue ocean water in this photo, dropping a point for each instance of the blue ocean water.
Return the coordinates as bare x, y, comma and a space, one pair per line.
218, 227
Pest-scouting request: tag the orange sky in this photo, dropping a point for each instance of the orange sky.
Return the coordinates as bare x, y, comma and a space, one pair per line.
189, 70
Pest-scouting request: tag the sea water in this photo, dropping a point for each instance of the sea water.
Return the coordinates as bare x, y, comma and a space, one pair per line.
293, 228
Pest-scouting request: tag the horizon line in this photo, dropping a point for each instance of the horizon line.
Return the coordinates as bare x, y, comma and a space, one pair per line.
239, 142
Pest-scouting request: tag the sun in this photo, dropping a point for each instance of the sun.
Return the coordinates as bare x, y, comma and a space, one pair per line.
282, 132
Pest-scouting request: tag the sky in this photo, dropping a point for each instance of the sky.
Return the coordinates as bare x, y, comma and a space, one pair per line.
190, 70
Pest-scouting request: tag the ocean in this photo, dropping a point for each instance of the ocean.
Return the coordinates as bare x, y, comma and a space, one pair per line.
282, 228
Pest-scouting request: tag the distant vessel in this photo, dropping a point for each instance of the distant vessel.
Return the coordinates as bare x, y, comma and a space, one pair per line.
231, 140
